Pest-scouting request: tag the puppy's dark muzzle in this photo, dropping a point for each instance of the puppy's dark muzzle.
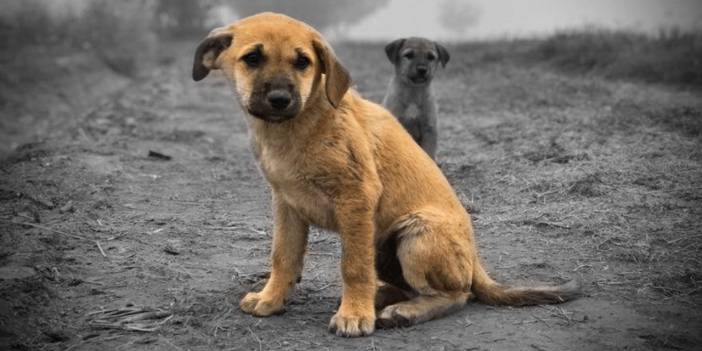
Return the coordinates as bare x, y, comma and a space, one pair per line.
421, 75
276, 100
279, 99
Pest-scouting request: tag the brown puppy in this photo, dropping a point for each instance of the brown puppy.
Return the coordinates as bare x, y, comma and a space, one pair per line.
343, 163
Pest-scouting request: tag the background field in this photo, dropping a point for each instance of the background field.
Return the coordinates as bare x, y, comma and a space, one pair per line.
578, 156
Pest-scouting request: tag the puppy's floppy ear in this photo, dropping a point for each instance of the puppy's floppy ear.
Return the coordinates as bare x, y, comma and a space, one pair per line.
393, 50
338, 79
443, 54
207, 52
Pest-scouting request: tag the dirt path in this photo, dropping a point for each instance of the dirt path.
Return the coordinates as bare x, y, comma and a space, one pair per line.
39, 95
565, 176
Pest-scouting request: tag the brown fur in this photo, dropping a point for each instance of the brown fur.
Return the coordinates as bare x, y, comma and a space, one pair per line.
347, 165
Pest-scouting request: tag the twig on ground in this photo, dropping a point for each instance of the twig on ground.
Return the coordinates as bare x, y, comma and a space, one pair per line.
39, 226
130, 318
101, 250
534, 222
581, 266
23, 215
93, 282
669, 242
559, 312
155, 231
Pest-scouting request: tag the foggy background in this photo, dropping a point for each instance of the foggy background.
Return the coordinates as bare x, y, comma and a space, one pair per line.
386, 19
42, 40
571, 131
490, 19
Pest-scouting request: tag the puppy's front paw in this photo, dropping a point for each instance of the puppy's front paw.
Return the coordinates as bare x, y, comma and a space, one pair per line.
259, 305
352, 325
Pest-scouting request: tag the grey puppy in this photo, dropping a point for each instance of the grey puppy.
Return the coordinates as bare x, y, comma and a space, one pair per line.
409, 96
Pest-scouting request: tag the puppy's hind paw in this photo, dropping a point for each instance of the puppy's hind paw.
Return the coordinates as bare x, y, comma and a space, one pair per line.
393, 317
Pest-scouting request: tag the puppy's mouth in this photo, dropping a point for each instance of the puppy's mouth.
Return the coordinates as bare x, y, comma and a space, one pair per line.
272, 118
419, 80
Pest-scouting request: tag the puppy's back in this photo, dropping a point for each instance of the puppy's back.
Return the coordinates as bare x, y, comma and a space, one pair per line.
411, 179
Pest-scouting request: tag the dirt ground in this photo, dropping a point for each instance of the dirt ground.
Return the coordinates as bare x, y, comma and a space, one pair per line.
105, 247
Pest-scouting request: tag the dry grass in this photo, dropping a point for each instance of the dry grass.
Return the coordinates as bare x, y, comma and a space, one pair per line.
671, 58
608, 169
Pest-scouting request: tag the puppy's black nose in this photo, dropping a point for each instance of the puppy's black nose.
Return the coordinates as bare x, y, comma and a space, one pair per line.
279, 99
421, 70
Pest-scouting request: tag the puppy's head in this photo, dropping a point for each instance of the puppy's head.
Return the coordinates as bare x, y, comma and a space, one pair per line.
278, 65
416, 59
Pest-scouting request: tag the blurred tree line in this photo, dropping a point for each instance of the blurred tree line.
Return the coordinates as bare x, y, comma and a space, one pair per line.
77, 22
321, 14
71, 22
125, 33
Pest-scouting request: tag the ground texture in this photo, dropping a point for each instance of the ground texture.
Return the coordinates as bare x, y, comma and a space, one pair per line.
105, 247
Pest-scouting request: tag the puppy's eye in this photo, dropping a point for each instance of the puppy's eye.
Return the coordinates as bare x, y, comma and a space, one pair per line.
253, 59
409, 55
302, 62
431, 57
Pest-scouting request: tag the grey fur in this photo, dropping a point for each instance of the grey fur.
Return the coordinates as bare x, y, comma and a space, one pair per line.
409, 96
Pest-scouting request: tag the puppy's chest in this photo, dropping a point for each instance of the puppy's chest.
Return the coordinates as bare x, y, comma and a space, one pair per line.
412, 117
412, 111
279, 169
290, 181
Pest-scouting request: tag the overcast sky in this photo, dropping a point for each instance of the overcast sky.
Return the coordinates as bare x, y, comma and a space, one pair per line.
508, 18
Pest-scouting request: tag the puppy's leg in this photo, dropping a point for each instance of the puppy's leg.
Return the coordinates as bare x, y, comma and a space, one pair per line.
392, 287
389, 294
429, 138
356, 314
289, 242
436, 263
421, 309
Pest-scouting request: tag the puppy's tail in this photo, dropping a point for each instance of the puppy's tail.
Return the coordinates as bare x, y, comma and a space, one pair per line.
492, 293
